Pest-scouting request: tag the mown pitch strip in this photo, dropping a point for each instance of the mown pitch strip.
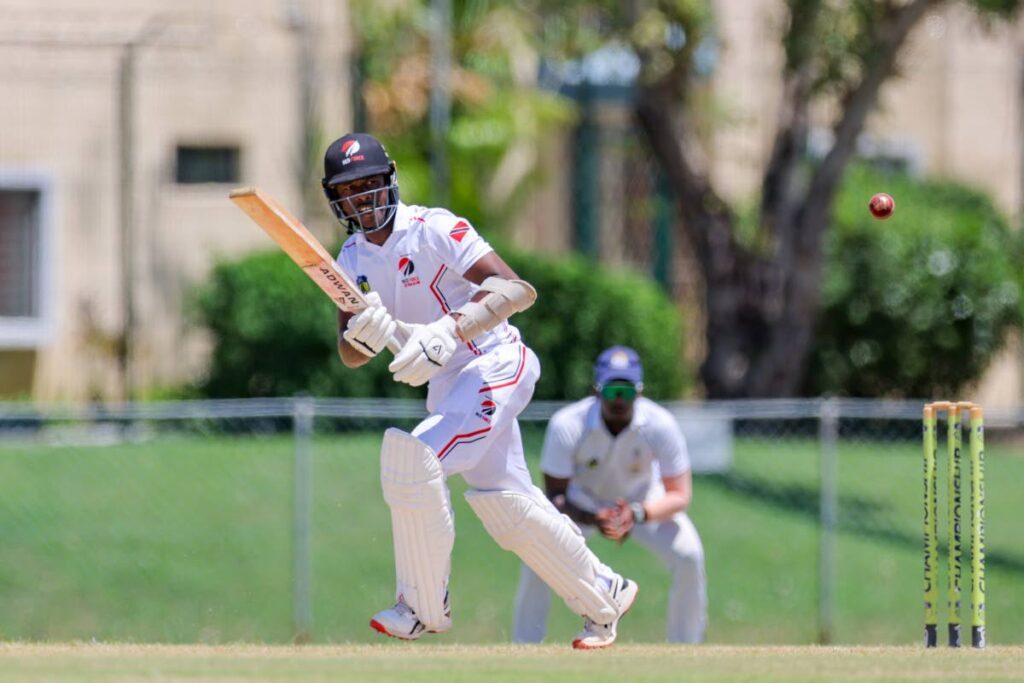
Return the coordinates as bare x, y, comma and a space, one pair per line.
418, 662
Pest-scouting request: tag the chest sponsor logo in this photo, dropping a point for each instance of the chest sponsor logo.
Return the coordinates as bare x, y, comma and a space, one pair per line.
637, 464
460, 230
406, 267
363, 284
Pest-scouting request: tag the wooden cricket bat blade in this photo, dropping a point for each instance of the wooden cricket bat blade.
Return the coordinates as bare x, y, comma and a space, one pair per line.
300, 245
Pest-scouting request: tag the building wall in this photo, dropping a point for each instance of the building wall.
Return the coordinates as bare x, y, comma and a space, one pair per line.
221, 73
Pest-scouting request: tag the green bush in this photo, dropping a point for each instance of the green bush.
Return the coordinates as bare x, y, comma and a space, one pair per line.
917, 305
583, 308
273, 332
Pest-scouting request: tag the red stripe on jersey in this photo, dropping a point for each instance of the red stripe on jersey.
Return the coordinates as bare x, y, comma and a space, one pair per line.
437, 292
460, 438
445, 308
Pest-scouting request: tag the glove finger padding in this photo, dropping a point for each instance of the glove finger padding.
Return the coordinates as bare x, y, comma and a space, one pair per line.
360, 346
378, 328
379, 340
427, 350
369, 330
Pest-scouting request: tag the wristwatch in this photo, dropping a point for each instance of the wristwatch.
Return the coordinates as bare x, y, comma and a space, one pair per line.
639, 514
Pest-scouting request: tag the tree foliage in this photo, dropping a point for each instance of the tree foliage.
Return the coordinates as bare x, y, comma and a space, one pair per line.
762, 289
498, 115
762, 279
917, 305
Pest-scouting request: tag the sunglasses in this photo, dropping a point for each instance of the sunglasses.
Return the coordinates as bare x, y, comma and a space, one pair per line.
626, 392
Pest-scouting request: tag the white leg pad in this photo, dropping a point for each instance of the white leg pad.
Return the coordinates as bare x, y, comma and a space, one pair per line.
421, 524
551, 546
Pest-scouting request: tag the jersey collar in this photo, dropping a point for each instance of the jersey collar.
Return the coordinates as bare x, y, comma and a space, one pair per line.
403, 215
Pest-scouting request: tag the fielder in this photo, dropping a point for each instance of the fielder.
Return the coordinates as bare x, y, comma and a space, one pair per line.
435, 285
617, 464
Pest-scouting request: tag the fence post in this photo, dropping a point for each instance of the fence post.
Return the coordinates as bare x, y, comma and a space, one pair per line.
303, 409
829, 507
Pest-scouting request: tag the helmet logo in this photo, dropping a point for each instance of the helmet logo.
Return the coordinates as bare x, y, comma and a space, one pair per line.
350, 148
619, 360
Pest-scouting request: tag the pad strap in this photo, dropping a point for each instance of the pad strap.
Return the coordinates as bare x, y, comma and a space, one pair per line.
504, 299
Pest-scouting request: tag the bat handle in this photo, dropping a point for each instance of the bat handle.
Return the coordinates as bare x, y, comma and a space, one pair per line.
397, 341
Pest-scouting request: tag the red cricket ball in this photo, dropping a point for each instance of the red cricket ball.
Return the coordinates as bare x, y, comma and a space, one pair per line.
882, 206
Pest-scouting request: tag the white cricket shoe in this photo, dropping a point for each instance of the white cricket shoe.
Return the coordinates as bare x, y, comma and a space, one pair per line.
594, 635
401, 621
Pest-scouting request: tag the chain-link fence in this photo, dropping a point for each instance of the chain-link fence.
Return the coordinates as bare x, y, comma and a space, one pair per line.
262, 520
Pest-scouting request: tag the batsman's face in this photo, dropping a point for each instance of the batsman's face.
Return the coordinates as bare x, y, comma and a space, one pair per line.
365, 199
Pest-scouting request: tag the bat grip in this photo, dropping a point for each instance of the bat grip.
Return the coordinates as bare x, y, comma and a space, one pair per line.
394, 345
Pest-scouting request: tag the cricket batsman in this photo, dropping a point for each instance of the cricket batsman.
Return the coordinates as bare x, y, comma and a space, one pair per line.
439, 288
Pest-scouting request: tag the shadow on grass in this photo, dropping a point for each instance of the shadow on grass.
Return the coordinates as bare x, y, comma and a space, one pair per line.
857, 515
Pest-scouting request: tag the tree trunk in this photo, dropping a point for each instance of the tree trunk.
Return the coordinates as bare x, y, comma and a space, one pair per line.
745, 294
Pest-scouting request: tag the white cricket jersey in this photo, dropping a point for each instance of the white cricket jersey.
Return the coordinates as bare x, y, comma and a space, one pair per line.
418, 272
602, 468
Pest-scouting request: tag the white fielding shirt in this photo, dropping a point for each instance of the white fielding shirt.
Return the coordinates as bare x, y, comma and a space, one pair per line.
418, 272
602, 468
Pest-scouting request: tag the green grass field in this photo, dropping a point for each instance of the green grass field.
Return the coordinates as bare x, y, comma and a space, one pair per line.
188, 540
497, 664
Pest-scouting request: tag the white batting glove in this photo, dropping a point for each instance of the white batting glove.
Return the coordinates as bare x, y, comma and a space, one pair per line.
427, 350
369, 330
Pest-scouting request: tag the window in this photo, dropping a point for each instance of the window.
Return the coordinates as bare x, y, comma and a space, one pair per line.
206, 164
19, 253
26, 268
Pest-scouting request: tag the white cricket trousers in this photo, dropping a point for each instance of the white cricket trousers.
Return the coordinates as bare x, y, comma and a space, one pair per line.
472, 425
676, 543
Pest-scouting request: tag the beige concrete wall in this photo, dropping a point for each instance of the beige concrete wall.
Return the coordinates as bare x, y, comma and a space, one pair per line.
223, 72
746, 93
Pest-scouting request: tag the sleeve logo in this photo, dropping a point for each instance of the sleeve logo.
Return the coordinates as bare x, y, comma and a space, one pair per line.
460, 230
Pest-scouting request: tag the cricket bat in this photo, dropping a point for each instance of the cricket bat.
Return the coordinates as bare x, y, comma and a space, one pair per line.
303, 248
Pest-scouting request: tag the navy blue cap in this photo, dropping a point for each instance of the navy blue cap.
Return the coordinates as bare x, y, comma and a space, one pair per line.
618, 363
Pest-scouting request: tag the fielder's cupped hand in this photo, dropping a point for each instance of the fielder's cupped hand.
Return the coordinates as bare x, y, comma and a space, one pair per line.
369, 330
427, 350
615, 522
